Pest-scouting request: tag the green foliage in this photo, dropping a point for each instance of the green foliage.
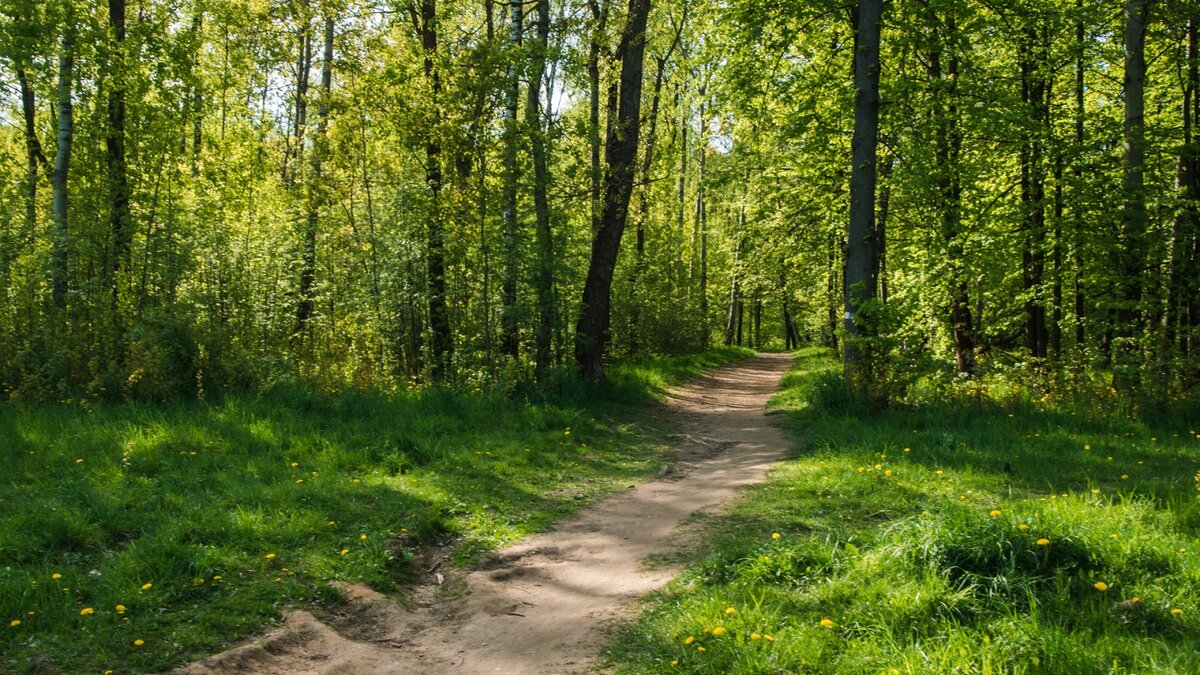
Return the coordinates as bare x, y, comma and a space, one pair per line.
953, 535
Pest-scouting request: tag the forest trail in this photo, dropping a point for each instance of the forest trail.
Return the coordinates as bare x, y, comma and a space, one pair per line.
544, 604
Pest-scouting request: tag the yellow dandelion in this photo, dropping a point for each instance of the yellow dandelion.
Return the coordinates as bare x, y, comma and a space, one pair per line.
362, 537
730, 610
1043, 542
1022, 526
1087, 446
878, 467
1176, 611
888, 473
690, 639
87, 611
216, 577
1124, 476
295, 464
120, 609
700, 648
674, 662
939, 472
755, 636
768, 638
79, 461
862, 469
718, 631
56, 576
994, 512
14, 623
775, 536
826, 623
908, 449
1100, 586
270, 556
139, 642
146, 587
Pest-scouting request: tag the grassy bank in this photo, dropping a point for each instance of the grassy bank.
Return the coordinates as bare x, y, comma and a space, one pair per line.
969, 536
134, 538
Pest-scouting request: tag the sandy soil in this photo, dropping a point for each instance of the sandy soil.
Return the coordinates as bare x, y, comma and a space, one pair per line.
544, 604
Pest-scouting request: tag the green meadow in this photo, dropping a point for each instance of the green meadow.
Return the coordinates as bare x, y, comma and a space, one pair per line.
136, 537
998, 531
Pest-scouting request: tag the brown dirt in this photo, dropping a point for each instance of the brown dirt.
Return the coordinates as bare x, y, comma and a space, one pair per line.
544, 605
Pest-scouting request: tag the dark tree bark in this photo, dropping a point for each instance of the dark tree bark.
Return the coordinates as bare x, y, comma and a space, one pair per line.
316, 190
1033, 193
860, 284
509, 341
33, 151
120, 218
1077, 247
543, 236
599, 10
620, 156
441, 340
1131, 258
1180, 320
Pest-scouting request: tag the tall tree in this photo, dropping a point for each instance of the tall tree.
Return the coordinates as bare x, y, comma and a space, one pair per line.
591, 331
120, 218
543, 236
509, 309
1133, 214
316, 190
441, 341
60, 239
860, 274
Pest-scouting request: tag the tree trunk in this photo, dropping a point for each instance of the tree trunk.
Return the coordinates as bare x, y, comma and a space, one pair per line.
543, 236
860, 275
620, 156
509, 340
439, 320
1077, 244
1183, 289
316, 190
118, 182
33, 151
599, 12
59, 270
1033, 195
1131, 258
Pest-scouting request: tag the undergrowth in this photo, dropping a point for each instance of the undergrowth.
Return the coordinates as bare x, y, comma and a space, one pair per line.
951, 535
138, 537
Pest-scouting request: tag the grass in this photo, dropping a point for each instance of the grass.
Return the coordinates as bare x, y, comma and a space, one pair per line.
954, 536
135, 538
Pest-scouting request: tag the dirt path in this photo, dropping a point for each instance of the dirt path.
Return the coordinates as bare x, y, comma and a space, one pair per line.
543, 606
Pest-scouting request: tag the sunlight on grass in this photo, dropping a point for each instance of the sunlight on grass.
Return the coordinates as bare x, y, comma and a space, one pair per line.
944, 537
188, 527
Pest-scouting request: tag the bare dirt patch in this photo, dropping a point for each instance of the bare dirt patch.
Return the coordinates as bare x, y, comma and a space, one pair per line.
544, 605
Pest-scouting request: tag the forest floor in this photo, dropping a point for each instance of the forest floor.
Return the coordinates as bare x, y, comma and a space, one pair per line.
546, 603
